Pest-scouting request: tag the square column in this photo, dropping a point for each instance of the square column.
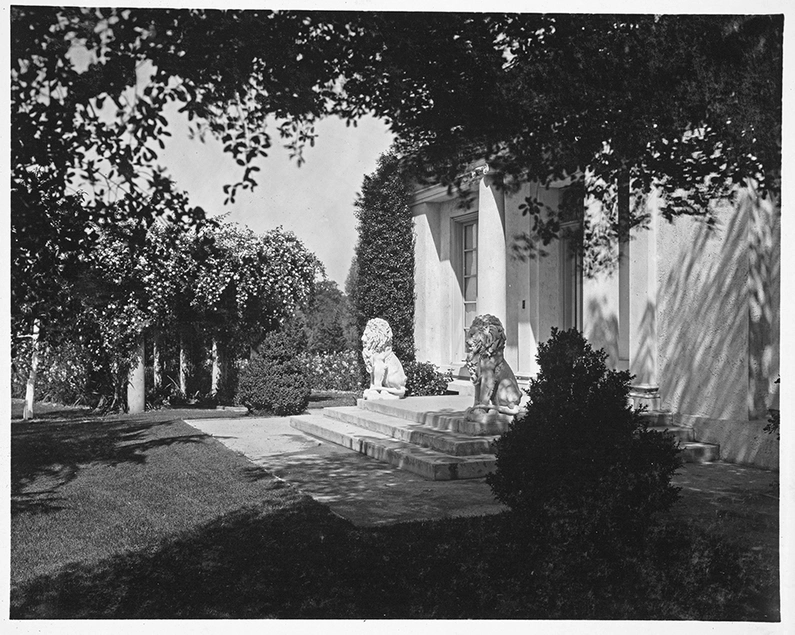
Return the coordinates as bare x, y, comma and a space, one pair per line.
492, 268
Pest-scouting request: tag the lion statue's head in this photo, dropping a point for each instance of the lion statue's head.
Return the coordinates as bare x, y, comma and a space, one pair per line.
377, 338
485, 339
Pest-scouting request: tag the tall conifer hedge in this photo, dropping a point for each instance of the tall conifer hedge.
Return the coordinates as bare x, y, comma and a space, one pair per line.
385, 255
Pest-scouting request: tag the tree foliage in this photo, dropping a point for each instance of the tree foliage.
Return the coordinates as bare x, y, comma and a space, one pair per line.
217, 281
691, 104
327, 318
535, 94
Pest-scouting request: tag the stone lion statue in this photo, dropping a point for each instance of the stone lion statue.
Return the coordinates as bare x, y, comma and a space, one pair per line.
497, 394
387, 378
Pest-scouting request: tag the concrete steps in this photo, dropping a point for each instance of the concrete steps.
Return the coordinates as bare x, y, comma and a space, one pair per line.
428, 463
452, 443
692, 450
429, 437
439, 413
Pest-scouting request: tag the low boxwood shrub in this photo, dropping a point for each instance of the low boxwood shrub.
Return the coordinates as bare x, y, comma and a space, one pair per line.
580, 461
273, 381
424, 378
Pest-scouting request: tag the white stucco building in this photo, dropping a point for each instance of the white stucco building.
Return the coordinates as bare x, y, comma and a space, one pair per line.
691, 311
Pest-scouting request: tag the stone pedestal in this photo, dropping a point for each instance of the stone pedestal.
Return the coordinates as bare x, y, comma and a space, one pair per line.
374, 393
479, 422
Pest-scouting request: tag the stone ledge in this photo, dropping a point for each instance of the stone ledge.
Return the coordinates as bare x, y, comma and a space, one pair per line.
695, 452
740, 441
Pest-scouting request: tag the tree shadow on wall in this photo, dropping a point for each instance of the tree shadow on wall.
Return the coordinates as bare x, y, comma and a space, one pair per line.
713, 353
603, 330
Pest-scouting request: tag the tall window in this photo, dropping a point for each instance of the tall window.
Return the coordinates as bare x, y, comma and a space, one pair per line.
571, 215
470, 269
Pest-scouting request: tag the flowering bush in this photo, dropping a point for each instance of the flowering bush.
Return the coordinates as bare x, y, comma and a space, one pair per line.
331, 371
63, 374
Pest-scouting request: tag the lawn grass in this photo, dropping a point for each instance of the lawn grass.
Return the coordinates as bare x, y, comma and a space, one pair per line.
143, 517
332, 398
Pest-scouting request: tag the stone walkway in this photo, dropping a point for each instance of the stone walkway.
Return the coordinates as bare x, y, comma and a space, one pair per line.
360, 489
740, 501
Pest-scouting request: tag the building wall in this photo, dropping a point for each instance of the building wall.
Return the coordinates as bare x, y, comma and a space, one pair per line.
532, 281
601, 310
429, 284
717, 326
691, 309
533, 278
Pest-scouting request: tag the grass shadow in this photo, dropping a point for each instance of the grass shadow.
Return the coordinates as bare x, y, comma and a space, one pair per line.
328, 399
47, 455
292, 558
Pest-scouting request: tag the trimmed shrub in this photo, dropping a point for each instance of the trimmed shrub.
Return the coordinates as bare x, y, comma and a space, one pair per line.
331, 371
384, 284
580, 461
273, 381
424, 378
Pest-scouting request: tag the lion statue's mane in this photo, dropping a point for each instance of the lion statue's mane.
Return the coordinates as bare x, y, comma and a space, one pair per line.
495, 384
387, 377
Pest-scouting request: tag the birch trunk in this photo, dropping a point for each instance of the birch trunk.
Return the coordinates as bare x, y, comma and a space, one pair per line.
183, 365
218, 367
157, 371
30, 391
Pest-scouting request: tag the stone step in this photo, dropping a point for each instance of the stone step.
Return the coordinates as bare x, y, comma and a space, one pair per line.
429, 464
696, 452
681, 433
448, 442
645, 395
657, 417
439, 413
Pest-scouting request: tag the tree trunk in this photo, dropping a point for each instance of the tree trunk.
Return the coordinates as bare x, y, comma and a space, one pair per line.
30, 391
157, 370
183, 364
218, 366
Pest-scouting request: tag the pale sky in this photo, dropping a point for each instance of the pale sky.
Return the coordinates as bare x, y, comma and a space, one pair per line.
315, 201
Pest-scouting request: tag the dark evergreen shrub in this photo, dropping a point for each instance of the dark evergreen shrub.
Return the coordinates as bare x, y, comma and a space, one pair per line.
273, 381
327, 315
581, 461
384, 285
424, 378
